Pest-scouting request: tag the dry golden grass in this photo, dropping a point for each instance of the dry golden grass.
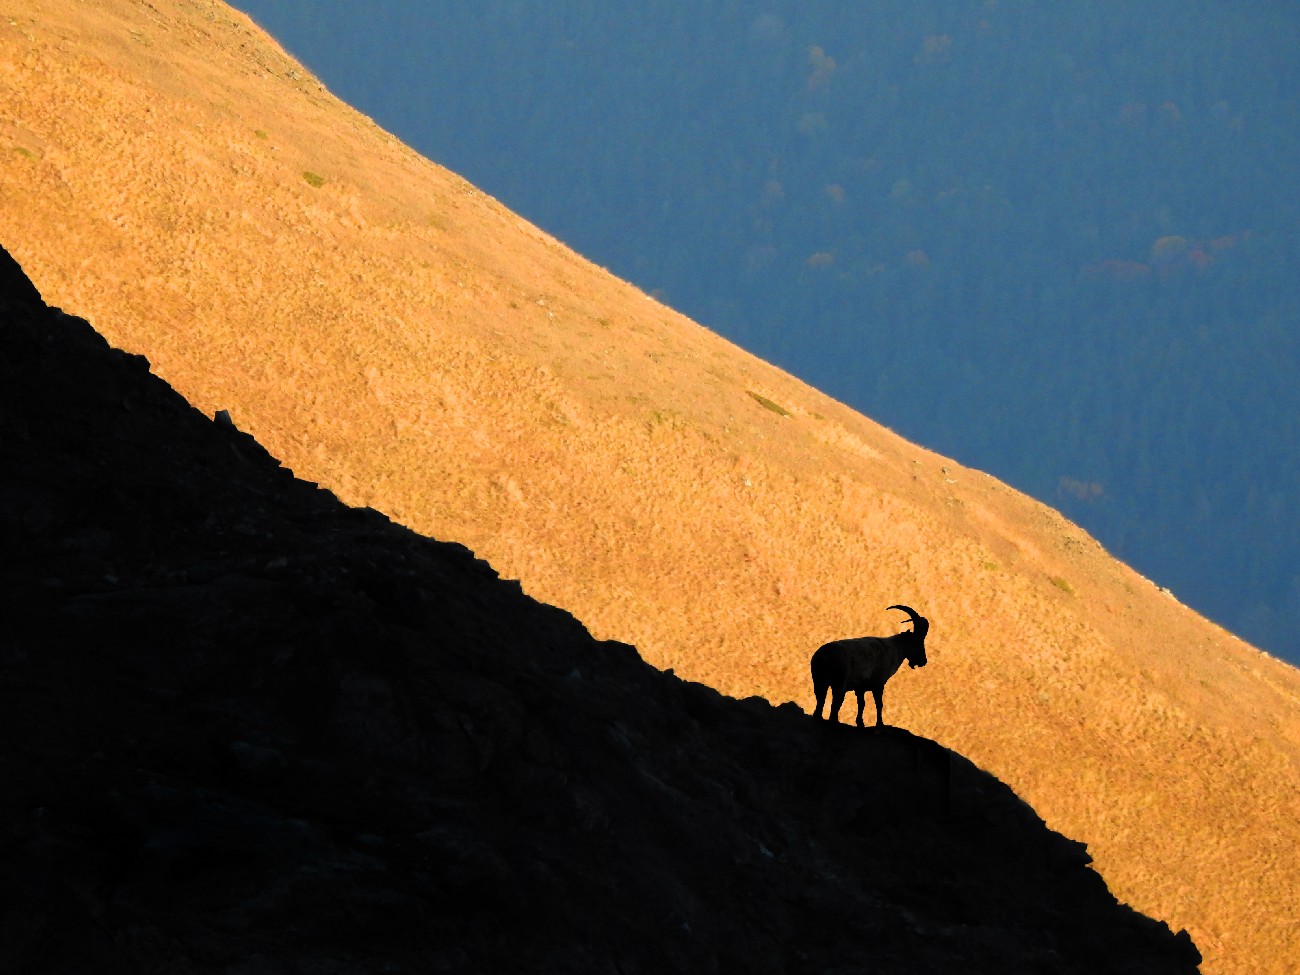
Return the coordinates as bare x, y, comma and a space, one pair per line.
387, 329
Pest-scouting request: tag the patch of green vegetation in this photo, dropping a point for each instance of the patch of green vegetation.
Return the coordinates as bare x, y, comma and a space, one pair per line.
991, 566
1062, 585
25, 152
261, 133
313, 179
767, 404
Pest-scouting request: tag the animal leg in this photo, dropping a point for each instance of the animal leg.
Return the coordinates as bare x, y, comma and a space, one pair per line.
862, 702
821, 699
879, 694
837, 698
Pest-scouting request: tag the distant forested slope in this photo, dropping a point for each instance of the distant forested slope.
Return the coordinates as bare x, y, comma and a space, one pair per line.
1060, 242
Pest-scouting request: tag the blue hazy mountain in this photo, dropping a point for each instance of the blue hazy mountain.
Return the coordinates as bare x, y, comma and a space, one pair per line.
1057, 242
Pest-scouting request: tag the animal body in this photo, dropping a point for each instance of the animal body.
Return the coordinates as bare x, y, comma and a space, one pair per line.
864, 664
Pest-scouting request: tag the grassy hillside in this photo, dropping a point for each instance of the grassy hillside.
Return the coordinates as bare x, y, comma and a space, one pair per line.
1080, 220
392, 332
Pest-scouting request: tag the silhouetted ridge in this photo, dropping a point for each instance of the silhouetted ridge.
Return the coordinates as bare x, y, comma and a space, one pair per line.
247, 728
16, 289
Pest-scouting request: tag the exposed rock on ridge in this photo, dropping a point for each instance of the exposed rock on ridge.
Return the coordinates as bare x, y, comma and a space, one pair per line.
249, 729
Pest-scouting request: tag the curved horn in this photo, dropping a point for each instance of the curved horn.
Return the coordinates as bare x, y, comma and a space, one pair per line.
919, 623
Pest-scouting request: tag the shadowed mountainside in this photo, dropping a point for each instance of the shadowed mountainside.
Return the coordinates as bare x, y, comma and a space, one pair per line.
248, 728
392, 333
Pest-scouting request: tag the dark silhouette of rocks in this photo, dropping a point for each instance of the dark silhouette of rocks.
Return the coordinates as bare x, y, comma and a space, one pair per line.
246, 729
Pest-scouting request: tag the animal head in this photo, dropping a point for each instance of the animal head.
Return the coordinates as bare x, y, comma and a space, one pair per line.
915, 652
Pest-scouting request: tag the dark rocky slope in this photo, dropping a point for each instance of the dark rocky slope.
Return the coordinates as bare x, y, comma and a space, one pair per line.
246, 729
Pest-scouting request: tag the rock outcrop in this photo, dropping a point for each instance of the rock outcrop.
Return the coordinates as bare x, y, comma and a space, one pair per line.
247, 729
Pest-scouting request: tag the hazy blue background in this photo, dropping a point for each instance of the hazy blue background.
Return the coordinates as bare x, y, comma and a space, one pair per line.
1057, 242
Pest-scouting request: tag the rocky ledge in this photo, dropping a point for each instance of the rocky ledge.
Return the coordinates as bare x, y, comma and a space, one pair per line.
246, 729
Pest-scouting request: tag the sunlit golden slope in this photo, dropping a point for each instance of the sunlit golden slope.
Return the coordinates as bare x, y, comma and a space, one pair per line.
392, 332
